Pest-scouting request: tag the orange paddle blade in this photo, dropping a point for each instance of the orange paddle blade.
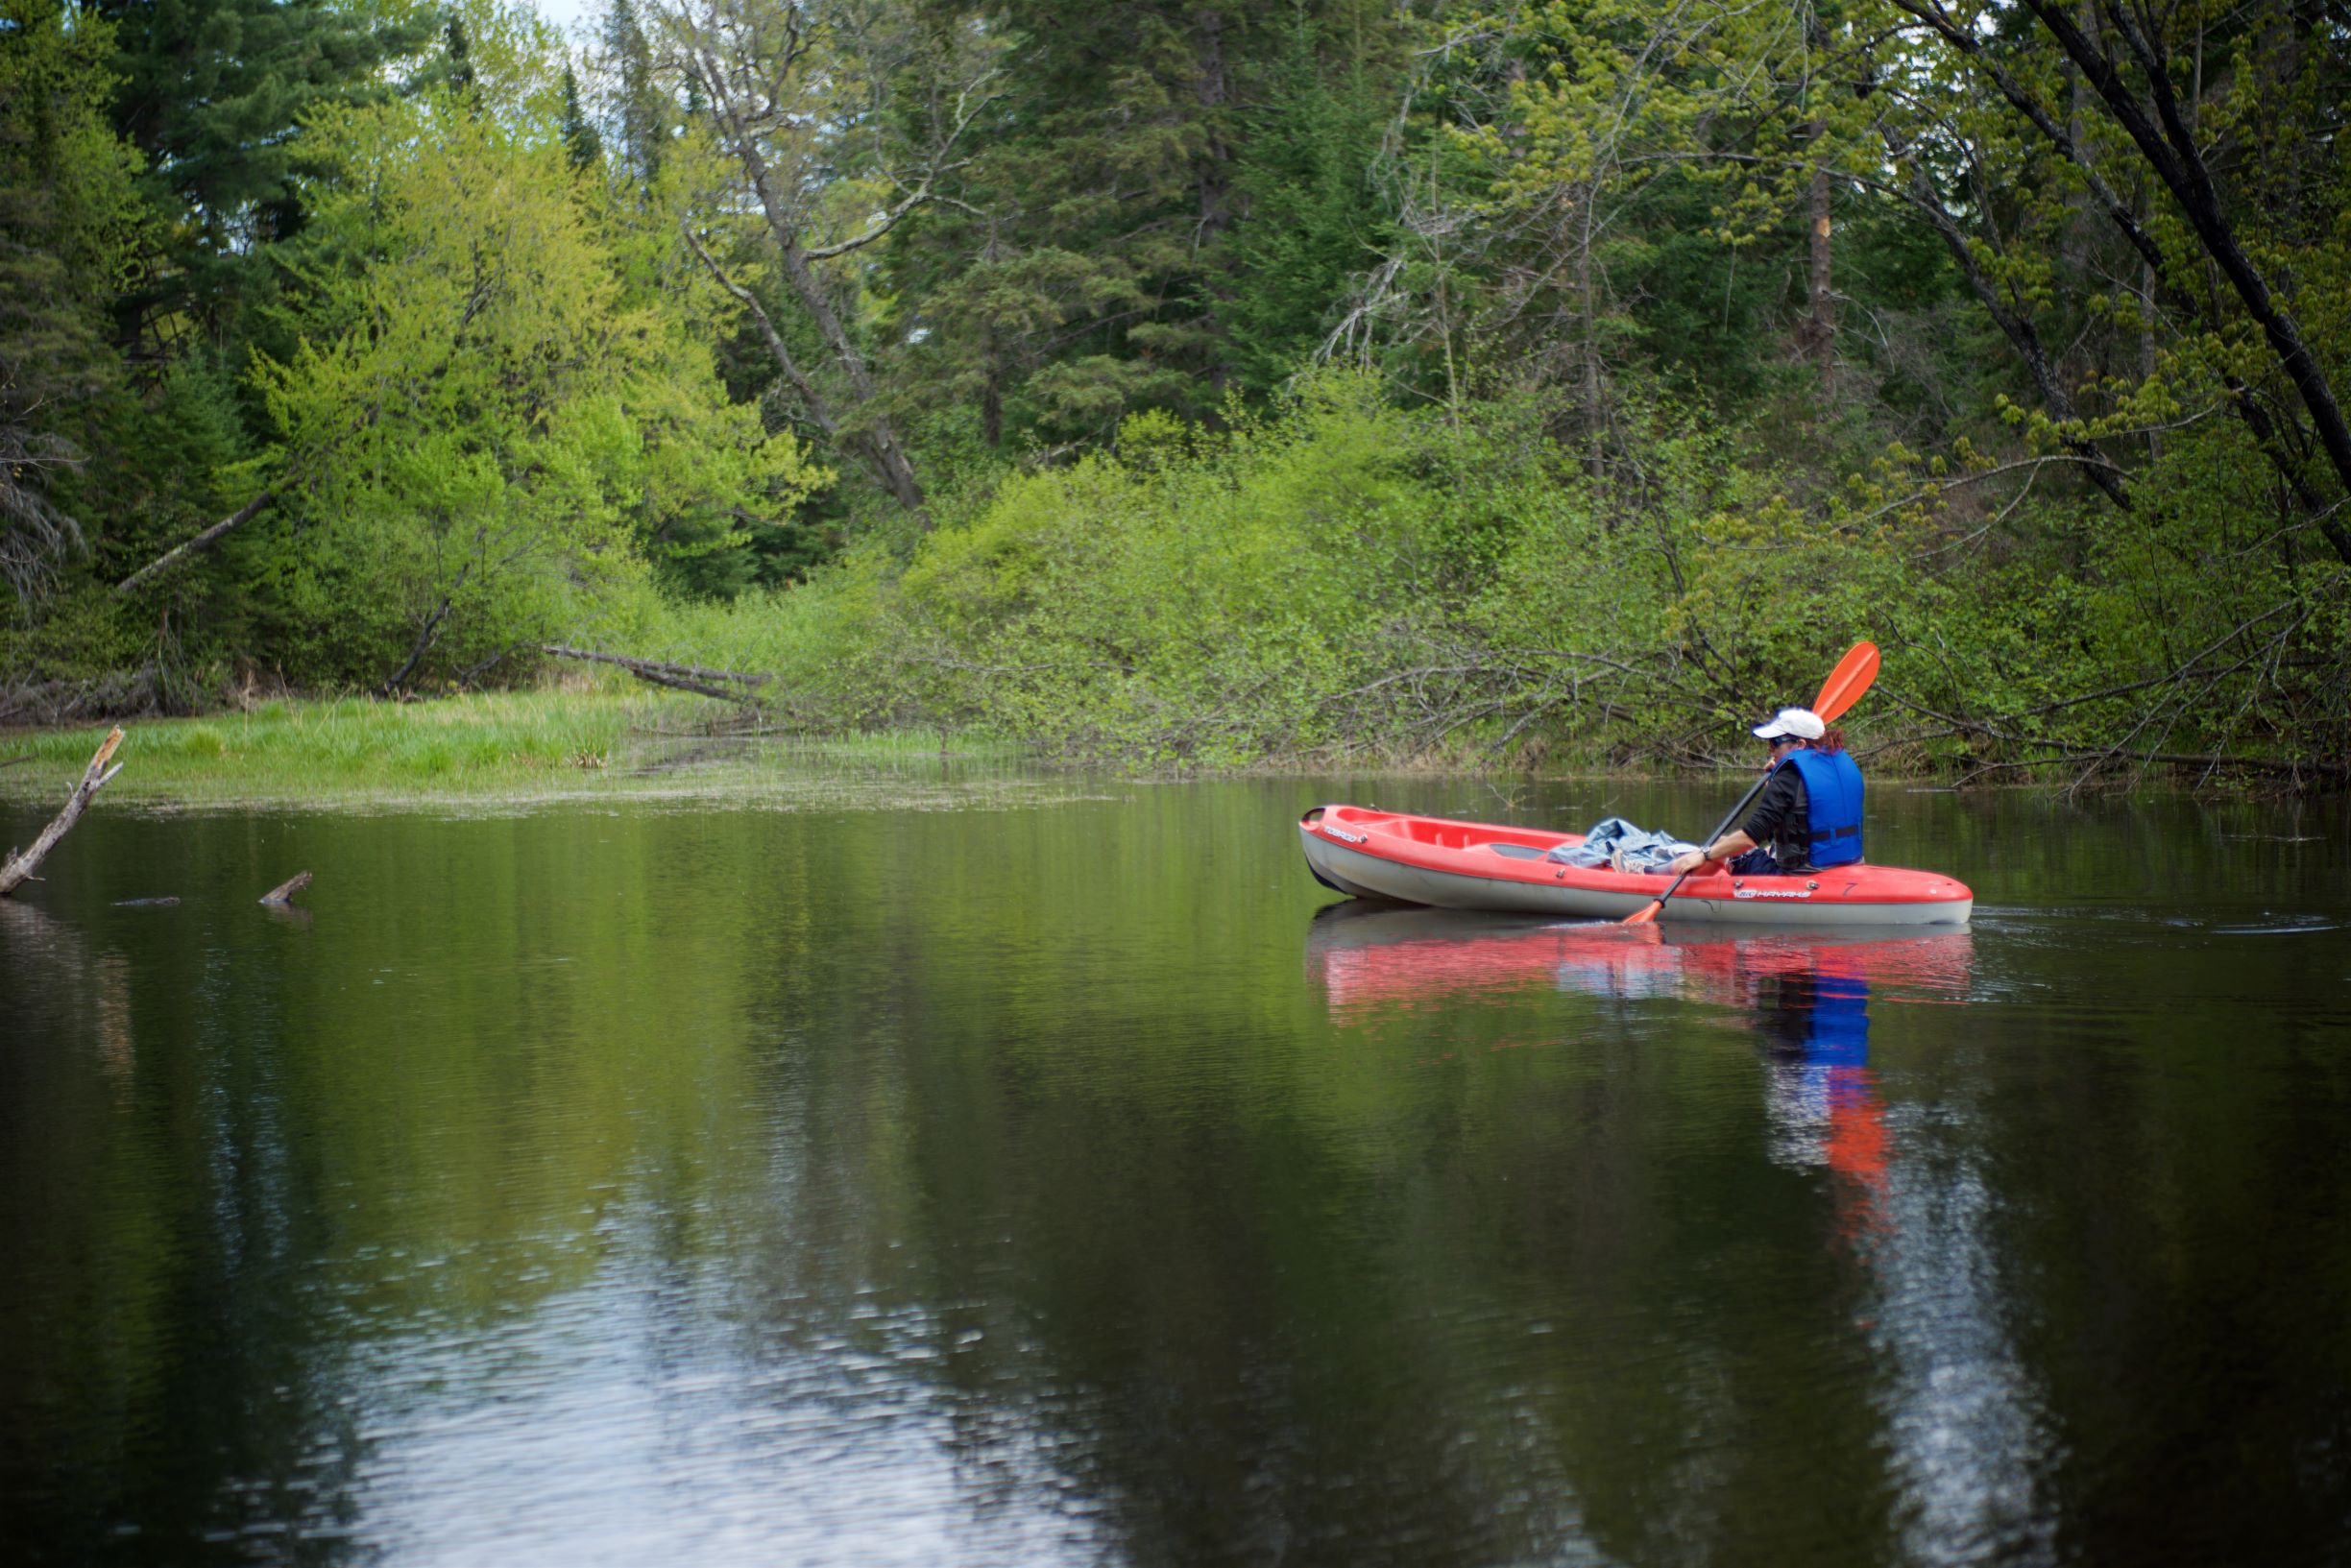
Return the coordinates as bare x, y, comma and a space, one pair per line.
1847, 682
1646, 913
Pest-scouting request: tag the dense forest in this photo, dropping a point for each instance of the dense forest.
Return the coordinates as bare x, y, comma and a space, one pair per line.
1200, 383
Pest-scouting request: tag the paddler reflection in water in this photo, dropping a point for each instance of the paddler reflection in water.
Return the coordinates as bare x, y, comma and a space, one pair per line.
1823, 1103
1808, 816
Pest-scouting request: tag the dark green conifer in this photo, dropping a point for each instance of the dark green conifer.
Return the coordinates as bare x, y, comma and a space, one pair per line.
645, 111
211, 91
67, 214
581, 139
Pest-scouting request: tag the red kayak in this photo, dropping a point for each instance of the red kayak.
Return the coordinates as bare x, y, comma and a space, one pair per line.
1478, 865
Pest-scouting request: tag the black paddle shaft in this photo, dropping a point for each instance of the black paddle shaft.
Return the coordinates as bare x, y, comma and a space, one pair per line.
1721, 827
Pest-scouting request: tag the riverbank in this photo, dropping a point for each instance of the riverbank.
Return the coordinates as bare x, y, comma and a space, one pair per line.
553, 742
597, 737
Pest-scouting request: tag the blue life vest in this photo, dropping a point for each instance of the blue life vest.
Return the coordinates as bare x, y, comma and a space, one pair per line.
1832, 782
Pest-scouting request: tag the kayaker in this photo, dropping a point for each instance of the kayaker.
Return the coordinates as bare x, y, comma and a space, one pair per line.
1808, 816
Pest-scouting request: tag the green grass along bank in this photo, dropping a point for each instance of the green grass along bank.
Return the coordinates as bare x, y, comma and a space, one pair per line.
573, 741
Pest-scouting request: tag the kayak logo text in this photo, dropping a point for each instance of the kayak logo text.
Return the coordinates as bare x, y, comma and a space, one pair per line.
1772, 893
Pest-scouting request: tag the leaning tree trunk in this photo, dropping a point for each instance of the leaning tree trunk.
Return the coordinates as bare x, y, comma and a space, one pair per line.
20, 867
2171, 150
877, 440
2128, 220
199, 544
870, 434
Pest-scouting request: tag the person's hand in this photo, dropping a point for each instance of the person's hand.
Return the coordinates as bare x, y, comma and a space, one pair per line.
1688, 862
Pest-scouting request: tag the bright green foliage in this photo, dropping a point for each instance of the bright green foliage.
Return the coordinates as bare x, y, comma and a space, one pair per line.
1352, 580
1676, 345
1195, 598
1344, 578
476, 417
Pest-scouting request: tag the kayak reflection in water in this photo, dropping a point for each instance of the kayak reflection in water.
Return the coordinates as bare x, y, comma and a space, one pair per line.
1808, 816
1369, 959
1808, 993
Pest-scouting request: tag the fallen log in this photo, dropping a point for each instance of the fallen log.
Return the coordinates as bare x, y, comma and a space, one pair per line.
284, 891
693, 677
20, 867
201, 541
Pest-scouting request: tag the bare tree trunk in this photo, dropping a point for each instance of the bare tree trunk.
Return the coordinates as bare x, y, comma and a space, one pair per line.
1208, 28
1595, 415
991, 360
426, 633
877, 441
869, 433
1821, 330
991, 392
694, 678
201, 542
1818, 330
19, 866
778, 349
2147, 345
284, 891
2171, 148
2073, 244
1214, 177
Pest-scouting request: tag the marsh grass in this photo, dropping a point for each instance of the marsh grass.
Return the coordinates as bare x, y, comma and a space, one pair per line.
552, 742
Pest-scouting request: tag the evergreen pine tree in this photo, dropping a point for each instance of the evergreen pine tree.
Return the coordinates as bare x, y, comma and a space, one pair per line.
580, 138
458, 51
211, 91
1167, 205
645, 112
69, 211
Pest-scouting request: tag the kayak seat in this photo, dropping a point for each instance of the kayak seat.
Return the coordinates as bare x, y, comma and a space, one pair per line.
1517, 852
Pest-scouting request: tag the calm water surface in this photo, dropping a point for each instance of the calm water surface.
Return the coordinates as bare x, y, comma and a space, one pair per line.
1047, 1181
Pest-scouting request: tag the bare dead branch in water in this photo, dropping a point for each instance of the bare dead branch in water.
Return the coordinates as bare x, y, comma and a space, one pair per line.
19, 867
284, 891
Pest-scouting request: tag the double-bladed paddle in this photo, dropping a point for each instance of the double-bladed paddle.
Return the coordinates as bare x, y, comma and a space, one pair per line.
1843, 689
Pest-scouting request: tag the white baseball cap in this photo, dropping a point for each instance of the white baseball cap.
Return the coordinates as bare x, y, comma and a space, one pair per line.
1797, 723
